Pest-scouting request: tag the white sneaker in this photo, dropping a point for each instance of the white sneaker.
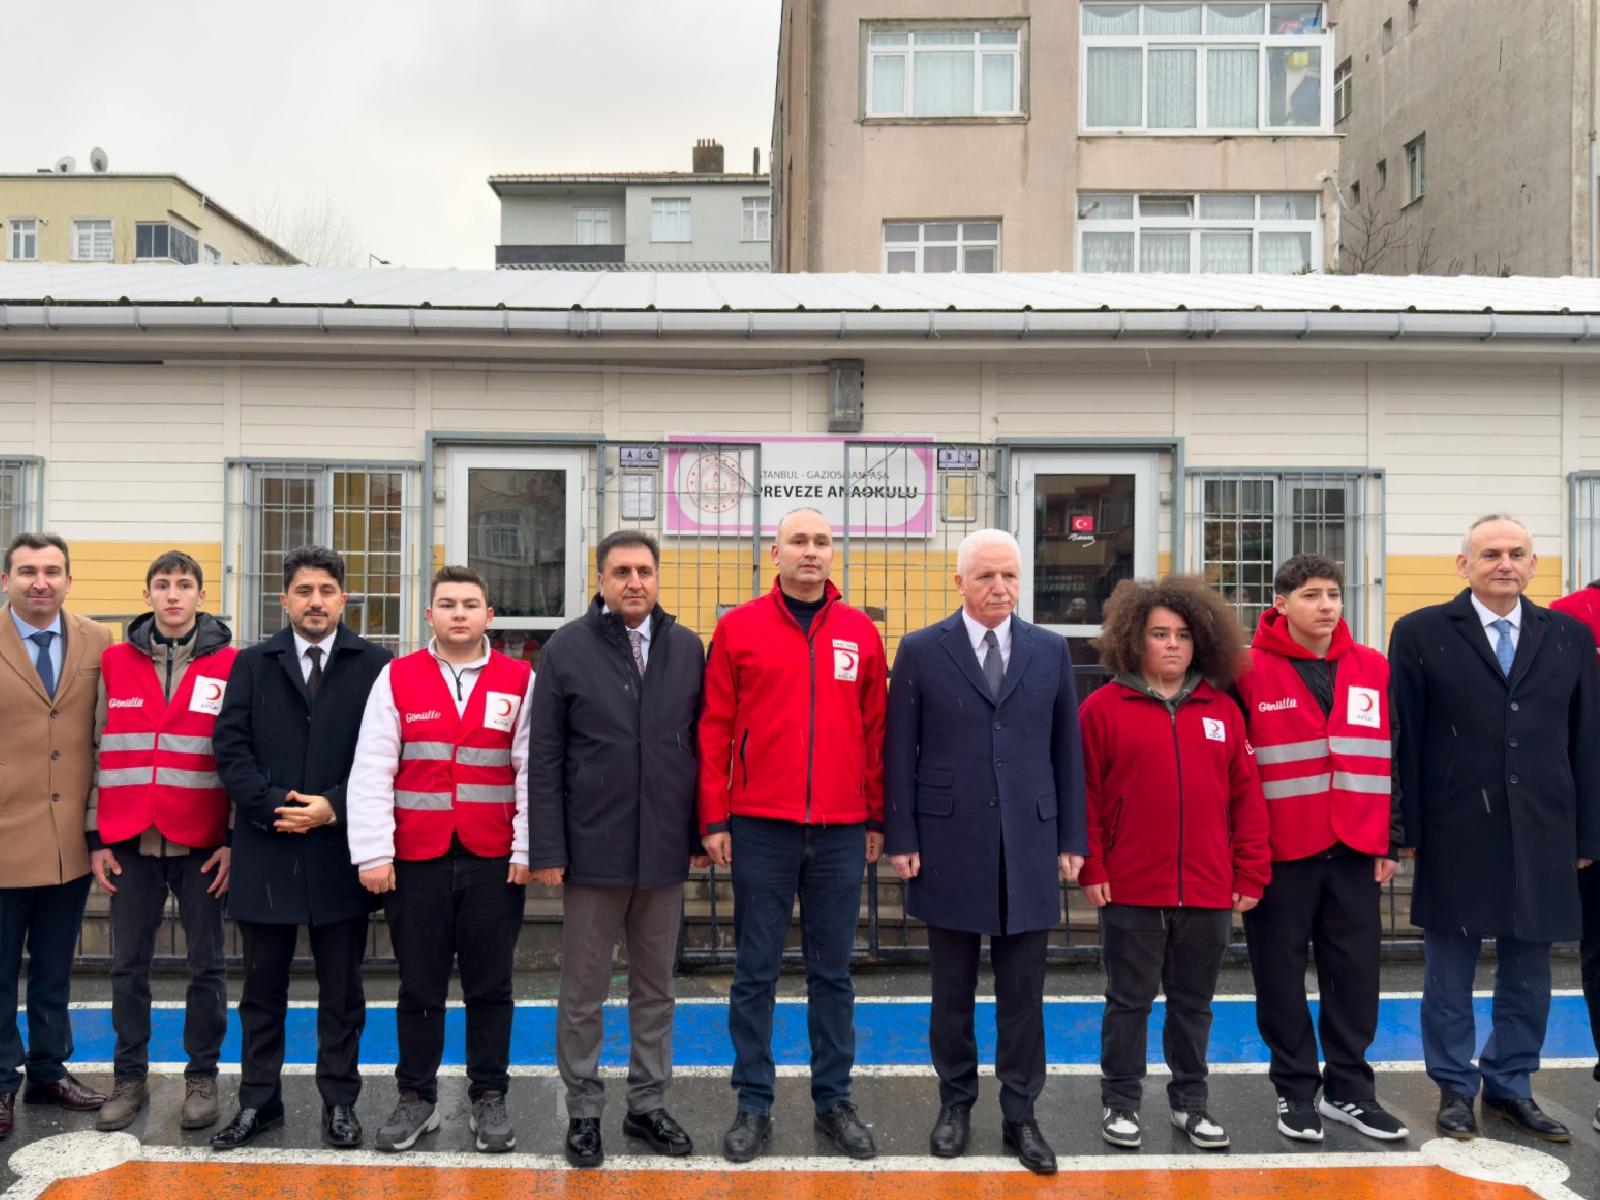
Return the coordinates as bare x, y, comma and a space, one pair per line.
1202, 1130
1120, 1127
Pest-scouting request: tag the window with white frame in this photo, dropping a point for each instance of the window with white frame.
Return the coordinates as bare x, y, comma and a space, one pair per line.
756, 225
1177, 67
1212, 233
91, 240
23, 244
943, 71
364, 511
1248, 522
1416, 177
1343, 91
212, 256
18, 505
591, 226
935, 247
670, 220
159, 241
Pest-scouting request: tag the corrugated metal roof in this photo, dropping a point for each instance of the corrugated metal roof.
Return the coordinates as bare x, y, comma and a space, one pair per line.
740, 291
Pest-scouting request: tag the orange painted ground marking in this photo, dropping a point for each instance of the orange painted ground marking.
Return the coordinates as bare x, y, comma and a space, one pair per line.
248, 1181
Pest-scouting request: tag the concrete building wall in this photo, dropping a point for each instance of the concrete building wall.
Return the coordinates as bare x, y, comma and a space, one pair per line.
1502, 94
549, 219
57, 200
716, 218
133, 456
843, 175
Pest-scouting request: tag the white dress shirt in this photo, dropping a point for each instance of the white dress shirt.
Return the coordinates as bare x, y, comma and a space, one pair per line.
301, 645
1489, 618
26, 631
1002, 634
644, 635
369, 795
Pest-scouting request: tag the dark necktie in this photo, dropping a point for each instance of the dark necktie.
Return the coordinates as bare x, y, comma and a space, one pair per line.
47, 669
314, 653
993, 668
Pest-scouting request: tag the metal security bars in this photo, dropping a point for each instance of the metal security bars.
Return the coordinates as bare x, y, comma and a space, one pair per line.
367, 511
1583, 533
1244, 523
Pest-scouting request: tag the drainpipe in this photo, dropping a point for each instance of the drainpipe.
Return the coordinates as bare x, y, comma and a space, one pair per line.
1594, 145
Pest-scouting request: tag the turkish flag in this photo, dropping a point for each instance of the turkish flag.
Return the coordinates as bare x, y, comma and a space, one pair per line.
1083, 523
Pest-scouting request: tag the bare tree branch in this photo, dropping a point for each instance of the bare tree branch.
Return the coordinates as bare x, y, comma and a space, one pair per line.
1368, 237
318, 232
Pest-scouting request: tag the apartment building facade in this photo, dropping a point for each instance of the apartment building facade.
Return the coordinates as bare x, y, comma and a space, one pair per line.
993, 135
116, 217
1467, 136
705, 219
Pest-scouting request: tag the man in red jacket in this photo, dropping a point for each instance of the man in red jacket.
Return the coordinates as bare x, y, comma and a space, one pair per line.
1317, 707
157, 823
791, 773
1584, 604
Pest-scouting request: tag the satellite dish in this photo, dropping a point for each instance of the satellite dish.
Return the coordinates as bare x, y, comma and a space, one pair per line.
98, 160
66, 165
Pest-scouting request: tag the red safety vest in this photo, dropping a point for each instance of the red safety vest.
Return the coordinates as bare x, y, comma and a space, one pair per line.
455, 773
1326, 778
156, 764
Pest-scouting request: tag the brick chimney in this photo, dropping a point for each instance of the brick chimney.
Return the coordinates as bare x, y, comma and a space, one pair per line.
707, 157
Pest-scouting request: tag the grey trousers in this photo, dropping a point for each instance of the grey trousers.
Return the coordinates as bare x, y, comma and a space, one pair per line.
648, 920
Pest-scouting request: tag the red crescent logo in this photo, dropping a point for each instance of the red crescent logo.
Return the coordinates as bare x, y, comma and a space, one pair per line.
505, 708
213, 690
1367, 703
851, 660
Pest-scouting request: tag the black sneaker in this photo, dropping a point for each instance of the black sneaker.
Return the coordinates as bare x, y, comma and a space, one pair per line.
1298, 1119
1366, 1115
1202, 1130
847, 1131
1120, 1127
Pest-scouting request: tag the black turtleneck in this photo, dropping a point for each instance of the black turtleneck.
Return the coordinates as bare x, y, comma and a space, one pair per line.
804, 611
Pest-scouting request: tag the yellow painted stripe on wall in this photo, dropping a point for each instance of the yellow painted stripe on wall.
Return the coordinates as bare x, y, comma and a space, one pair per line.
108, 577
1415, 581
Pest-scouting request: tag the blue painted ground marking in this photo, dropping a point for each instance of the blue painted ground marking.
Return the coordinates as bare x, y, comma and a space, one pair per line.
891, 1033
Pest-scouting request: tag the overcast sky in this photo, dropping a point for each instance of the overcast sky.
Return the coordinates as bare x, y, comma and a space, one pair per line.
396, 112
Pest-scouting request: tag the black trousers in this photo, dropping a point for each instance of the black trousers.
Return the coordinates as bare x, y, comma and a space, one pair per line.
1329, 901
136, 913
1148, 950
458, 906
1019, 1055
46, 921
1589, 950
336, 949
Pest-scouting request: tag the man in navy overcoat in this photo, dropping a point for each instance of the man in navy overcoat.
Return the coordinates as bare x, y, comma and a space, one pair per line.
984, 816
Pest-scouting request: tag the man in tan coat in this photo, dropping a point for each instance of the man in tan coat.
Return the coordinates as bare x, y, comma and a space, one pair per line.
49, 678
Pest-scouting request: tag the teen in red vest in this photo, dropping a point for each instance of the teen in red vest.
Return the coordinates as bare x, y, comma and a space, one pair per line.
1317, 706
438, 812
157, 823
1177, 837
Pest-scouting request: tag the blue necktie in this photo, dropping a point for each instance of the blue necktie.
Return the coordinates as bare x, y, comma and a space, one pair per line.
47, 669
1503, 649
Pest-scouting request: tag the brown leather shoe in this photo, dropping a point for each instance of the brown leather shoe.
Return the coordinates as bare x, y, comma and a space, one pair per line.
67, 1092
8, 1103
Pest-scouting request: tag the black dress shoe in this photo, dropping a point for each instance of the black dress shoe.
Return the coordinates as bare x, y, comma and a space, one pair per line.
949, 1136
246, 1124
659, 1131
1455, 1117
67, 1092
583, 1142
746, 1136
847, 1131
1526, 1116
8, 1107
1024, 1140
340, 1129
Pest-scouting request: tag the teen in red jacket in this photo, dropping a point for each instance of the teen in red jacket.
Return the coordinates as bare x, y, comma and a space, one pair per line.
791, 776
1177, 837
1317, 707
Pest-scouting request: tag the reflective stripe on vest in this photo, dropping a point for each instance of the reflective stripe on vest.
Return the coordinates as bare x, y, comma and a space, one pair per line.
426, 752
1367, 785
185, 743
423, 801
486, 793
123, 776
1293, 752
483, 756
1306, 785
127, 741
1361, 747
174, 777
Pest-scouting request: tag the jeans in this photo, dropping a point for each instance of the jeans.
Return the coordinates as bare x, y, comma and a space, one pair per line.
772, 862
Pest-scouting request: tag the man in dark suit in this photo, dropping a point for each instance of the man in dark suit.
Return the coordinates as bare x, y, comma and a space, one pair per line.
1495, 703
984, 815
284, 743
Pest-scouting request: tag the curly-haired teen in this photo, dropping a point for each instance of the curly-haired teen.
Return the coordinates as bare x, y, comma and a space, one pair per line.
1177, 837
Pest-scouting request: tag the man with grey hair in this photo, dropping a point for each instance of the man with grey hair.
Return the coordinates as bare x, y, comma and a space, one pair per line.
1494, 702
984, 816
